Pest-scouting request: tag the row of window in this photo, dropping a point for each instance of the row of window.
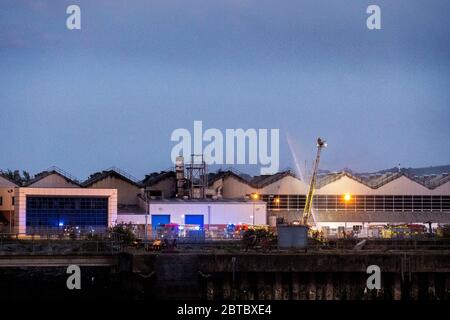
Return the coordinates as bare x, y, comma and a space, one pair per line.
403, 203
66, 203
46, 230
66, 220
58, 212
71, 211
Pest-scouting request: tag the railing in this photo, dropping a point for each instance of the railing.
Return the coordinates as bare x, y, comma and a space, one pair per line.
123, 173
15, 244
381, 245
63, 173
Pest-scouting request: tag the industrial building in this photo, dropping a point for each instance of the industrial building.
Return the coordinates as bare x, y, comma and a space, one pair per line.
53, 200
50, 210
341, 199
203, 214
7, 186
344, 199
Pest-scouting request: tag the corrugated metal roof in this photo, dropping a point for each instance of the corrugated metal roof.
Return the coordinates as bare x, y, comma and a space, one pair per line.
53, 170
111, 172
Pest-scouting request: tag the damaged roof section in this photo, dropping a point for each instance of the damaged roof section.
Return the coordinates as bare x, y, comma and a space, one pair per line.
213, 177
111, 172
265, 180
155, 177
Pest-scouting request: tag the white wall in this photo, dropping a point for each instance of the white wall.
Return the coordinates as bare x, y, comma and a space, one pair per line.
5, 186
345, 185
403, 186
286, 185
220, 212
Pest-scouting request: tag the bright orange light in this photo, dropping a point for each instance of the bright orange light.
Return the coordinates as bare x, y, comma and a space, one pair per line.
347, 197
255, 196
277, 200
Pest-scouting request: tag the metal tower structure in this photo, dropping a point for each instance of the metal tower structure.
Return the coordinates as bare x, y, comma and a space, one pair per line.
197, 176
179, 174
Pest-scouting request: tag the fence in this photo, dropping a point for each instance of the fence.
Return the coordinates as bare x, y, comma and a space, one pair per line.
14, 244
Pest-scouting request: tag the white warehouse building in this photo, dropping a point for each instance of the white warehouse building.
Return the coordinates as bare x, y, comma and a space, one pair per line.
205, 213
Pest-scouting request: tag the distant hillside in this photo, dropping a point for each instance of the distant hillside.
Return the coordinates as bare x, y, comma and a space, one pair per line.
420, 171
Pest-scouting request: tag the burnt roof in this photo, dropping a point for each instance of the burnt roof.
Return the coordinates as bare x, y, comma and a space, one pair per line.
264, 180
155, 177
213, 177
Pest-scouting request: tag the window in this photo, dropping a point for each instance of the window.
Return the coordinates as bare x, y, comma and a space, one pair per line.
436, 204
417, 203
370, 203
407, 203
389, 203
445, 203
54, 213
426, 203
1, 201
398, 203
154, 194
332, 202
12, 200
360, 203
379, 203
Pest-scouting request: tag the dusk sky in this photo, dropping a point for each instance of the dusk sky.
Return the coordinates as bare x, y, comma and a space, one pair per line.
111, 93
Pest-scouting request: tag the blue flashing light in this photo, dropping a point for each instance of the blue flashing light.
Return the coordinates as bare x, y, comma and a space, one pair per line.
61, 224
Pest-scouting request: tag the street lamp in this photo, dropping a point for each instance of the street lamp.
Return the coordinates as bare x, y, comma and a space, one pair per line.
10, 212
147, 212
347, 197
254, 197
277, 202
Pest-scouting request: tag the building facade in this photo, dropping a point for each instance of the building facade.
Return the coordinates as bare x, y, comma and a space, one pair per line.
7, 199
50, 210
53, 199
202, 214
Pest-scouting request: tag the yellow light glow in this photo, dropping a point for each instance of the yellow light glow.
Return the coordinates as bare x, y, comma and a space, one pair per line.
255, 196
347, 197
277, 200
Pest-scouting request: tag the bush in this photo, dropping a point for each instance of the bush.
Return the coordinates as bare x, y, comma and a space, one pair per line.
258, 237
124, 232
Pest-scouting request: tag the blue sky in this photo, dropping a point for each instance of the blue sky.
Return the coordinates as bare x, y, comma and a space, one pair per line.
112, 93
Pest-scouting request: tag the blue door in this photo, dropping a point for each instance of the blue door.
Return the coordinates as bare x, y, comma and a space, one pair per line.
158, 219
196, 219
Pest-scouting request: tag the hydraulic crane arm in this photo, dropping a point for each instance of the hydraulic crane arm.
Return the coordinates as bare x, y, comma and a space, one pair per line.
309, 197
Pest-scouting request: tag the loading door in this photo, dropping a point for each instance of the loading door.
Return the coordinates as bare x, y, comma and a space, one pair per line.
158, 219
196, 219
